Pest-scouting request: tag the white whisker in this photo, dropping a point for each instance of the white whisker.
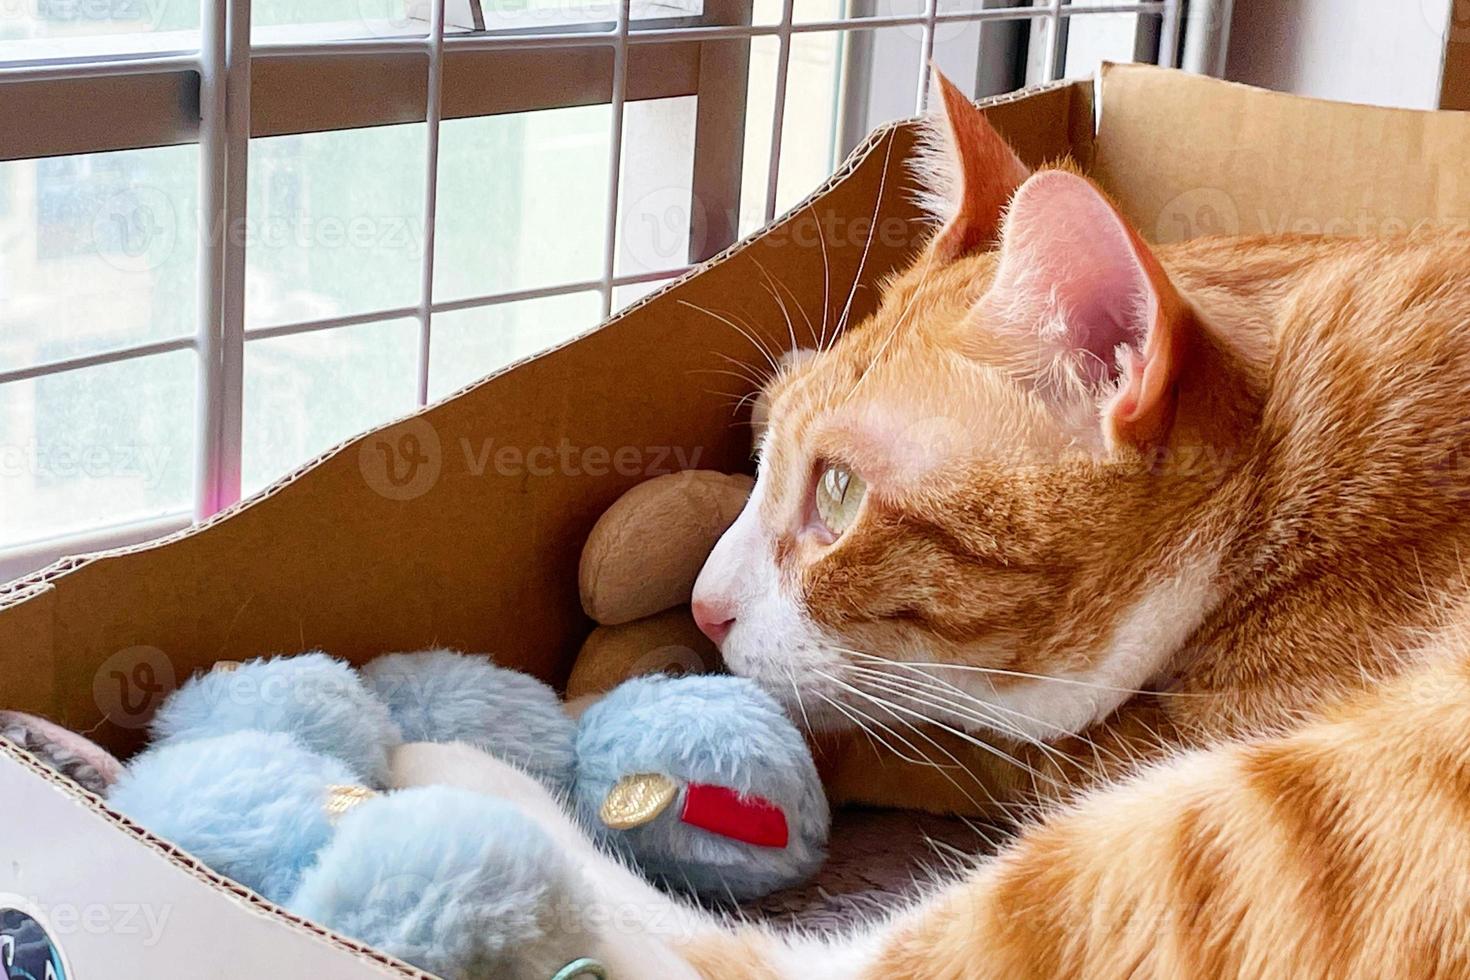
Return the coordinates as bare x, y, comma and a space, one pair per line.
868, 245
826, 278
1011, 729
893, 685
984, 746
845, 709
743, 331
1003, 672
929, 762
770, 287
897, 326
800, 704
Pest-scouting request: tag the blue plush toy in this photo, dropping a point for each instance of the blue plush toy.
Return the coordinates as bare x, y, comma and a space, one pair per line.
703, 783
319, 701
268, 771
454, 882
433, 696
444, 696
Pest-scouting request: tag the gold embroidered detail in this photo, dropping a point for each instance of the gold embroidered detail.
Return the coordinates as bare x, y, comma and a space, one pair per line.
341, 798
637, 799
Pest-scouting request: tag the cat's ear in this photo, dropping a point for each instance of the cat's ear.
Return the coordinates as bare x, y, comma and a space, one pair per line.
1109, 320
966, 172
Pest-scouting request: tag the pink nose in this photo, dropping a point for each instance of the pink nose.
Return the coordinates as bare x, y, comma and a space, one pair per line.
714, 617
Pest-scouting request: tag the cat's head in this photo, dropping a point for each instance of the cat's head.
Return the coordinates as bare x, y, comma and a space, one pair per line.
965, 478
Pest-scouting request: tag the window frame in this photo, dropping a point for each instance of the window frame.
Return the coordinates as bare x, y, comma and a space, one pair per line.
235, 88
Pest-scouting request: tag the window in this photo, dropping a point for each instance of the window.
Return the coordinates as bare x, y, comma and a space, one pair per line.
234, 234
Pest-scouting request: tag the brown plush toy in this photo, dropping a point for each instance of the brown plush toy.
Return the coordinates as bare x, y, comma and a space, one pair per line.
666, 643
637, 575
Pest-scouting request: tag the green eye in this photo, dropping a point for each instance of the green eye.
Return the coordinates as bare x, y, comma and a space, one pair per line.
839, 495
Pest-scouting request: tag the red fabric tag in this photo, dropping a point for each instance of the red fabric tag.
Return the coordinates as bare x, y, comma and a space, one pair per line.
722, 811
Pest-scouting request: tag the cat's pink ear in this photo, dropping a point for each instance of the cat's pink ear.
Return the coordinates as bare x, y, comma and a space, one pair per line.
1108, 319
968, 173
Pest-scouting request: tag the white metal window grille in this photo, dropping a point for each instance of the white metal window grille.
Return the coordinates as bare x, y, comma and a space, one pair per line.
219, 86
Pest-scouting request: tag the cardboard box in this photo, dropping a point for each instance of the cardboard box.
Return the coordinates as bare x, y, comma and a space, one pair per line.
462, 525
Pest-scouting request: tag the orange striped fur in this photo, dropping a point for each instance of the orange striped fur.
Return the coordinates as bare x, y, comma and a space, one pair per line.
1275, 551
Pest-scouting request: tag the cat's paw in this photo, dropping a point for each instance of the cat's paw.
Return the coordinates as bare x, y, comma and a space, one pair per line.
633, 926
457, 764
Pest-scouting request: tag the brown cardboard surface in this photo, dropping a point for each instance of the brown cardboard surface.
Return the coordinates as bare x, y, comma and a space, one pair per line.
462, 526
1186, 155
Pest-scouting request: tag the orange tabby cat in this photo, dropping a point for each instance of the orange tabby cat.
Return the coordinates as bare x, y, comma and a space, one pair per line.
1101, 504
1170, 538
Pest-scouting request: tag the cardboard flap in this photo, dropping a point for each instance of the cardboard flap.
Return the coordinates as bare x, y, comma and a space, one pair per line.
462, 526
1186, 155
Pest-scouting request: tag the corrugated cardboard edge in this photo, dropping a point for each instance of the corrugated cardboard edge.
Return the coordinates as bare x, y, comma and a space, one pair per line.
29, 605
186, 862
300, 603
24, 588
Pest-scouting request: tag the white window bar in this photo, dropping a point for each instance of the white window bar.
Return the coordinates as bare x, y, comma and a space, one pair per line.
1056, 40
226, 453
1169, 34
213, 148
223, 62
615, 153
778, 111
926, 57
432, 116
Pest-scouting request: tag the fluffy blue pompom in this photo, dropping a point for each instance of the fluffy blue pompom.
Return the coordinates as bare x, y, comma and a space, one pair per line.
320, 701
444, 696
712, 729
249, 804
455, 882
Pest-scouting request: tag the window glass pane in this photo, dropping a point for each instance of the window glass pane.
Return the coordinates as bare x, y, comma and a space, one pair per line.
989, 58
654, 201
105, 445
335, 224
548, 14
760, 104
809, 130
308, 392
97, 252
49, 28
1095, 38
522, 201
469, 344
284, 20
946, 6
828, 114
302, 20
625, 296
808, 11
